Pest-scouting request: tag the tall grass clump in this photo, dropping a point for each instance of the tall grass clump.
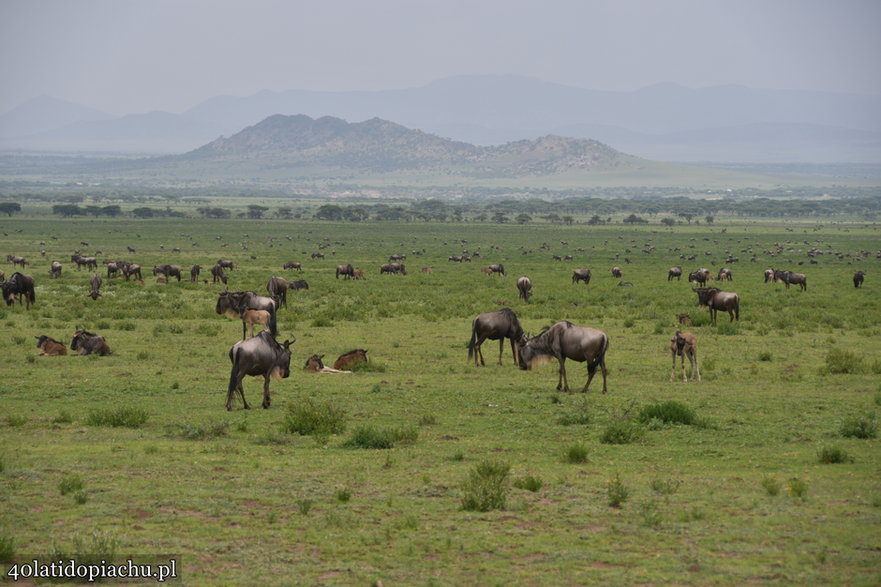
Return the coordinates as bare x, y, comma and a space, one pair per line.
622, 432
126, 417
865, 426
381, 438
830, 455
617, 492
309, 417
192, 431
841, 361
7, 550
486, 487
529, 483
576, 454
70, 483
668, 412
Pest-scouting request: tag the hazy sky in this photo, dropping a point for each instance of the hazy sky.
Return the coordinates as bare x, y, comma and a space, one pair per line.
131, 56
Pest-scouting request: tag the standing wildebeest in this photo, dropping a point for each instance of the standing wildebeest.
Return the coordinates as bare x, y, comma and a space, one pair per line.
233, 303
684, 344
21, 285
700, 276
716, 300
112, 268
581, 275
261, 355
86, 343
617, 273
858, 278
294, 265
353, 357
725, 274
769, 275
564, 341
96, 287
524, 286
298, 284
788, 277
358, 274
88, 262
497, 268
55, 269
195, 270
217, 274
347, 271
168, 271
674, 272
129, 269
497, 325
16, 260
49, 347
226, 264
278, 290
393, 268
252, 317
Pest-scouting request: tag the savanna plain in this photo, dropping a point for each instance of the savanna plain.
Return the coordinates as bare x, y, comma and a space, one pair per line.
419, 467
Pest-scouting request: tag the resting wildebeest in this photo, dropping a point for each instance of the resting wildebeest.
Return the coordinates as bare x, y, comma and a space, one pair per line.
314, 364
278, 290
725, 274
350, 359
96, 287
497, 268
168, 271
20, 285
684, 344
217, 274
497, 325
195, 270
233, 303
87, 343
858, 278
298, 284
55, 269
524, 286
684, 319
49, 347
716, 300
788, 277
674, 272
581, 275
564, 341
294, 265
261, 355
617, 273
347, 271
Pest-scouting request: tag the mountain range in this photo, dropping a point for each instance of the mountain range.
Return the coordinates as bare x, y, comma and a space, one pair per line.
666, 122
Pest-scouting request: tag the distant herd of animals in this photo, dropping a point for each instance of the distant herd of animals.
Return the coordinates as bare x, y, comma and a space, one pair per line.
262, 355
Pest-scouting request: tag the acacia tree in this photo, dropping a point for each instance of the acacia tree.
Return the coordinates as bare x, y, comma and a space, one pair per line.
10, 208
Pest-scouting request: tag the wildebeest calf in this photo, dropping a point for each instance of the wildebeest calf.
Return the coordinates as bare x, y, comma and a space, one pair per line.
350, 359
49, 347
684, 344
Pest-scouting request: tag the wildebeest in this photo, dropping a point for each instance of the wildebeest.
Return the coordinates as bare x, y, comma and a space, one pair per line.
725, 274
318, 255
55, 269
95, 287
497, 268
769, 275
278, 290
314, 364
131, 269
226, 264
581, 275
564, 341
674, 272
625, 284
716, 300
497, 325
700, 276
49, 347
217, 274
20, 285
232, 303
168, 271
252, 317
298, 284
524, 286
195, 270
351, 358
393, 268
788, 277
684, 344
260, 355
617, 273
347, 271
81, 261
426, 270
87, 343
112, 268
294, 265
358, 274
858, 278
16, 260
684, 319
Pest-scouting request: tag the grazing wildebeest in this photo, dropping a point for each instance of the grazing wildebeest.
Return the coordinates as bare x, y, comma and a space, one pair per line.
278, 290
700, 276
112, 268
217, 274
684, 319
347, 271
233, 303
298, 284
769, 275
49, 347
294, 265
168, 271
260, 355
226, 264
788, 277
393, 268
397, 257
16, 260
350, 359
581, 275
716, 300
725, 274
130, 269
684, 344
55, 269
564, 341
455, 259
426, 270
617, 273
252, 317
96, 287
318, 255
314, 364
858, 278
87, 343
195, 270
81, 261
497, 268
497, 325
358, 274
20, 285
524, 286
674, 272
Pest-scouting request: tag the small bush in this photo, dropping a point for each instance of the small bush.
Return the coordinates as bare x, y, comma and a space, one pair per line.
576, 454
765, 356
311, 418
771, 485
343, 495
7, 550
62, 418
304, 506
376, 438
192, 431
840, 361
797, 488
669, 412
579, 415
529, 483
427, 420
486, 488
665, 486
859, 427
120, 417
80, 497
70, 483
621, 432
833, 455
617, 492
16, 421
651, 517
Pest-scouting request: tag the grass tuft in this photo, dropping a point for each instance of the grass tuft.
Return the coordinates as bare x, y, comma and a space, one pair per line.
529, 483
617, 492
831, 455
487, 487
622, 432
381, 438
669, 412
864, 426
312, 418
126, 417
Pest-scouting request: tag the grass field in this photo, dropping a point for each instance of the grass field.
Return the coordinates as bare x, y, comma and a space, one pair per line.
579, 488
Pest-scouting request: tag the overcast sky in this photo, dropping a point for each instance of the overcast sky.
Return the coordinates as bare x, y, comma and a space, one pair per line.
133, 56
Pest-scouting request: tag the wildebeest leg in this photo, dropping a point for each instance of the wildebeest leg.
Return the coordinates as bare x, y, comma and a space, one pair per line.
562, 381
242, 394
266, 399
695, 367
673, 370
501, 348
514, 352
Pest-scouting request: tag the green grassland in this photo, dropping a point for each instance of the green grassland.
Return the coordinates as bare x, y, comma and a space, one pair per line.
596, 493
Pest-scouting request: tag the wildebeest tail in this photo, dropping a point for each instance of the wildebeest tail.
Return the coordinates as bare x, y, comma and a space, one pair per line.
473, 341
273, 326
234, 374
600, 355
737, 309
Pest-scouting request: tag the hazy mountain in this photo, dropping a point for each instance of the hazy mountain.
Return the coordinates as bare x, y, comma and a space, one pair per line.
43, 114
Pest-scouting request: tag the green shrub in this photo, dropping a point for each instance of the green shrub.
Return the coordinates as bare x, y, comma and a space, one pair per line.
765, 356
797, 488
579, 415
529, 483
377, 438
840, 361
70, 483
859, 427
833, 455
669, 412
304, 506
62, 418
120, 417
617, 492
311, 418
343, 495
576, 454
487, 487
621, 432
7, 550
16, 421
665, 486
771, 485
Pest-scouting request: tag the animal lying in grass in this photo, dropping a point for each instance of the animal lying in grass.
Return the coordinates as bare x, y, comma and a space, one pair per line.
49, 347
314, 364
